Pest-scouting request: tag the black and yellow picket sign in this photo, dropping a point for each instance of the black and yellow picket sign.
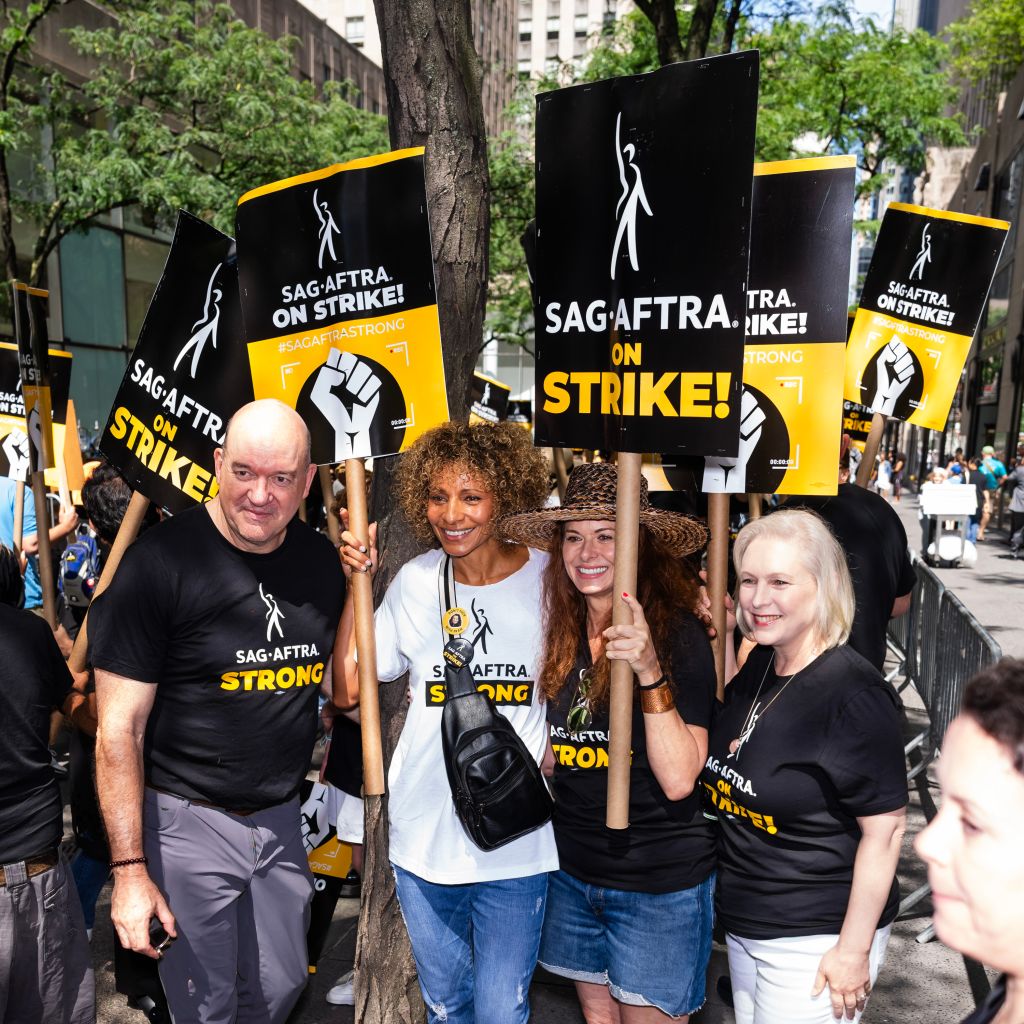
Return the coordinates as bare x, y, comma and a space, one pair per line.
488, 399
800, 235
923, 296
641, 258
14, 442
340, 304
187, 376
34, 363
520, 411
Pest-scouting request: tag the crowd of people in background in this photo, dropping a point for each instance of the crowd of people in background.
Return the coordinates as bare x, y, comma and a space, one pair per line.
774, 812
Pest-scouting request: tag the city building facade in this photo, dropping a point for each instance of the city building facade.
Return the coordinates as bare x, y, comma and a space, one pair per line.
101, 280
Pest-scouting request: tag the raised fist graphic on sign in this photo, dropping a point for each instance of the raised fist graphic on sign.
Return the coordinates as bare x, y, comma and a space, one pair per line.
895, 368
729, 476
15, 447
347, 392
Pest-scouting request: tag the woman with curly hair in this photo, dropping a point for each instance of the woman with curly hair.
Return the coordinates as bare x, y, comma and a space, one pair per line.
630, 912
474, 917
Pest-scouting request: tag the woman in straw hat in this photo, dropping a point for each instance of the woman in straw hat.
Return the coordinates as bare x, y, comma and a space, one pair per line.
474, 916
806, 771
629, 913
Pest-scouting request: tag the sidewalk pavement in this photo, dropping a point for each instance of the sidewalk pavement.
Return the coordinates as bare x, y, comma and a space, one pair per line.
921, 983
992, 589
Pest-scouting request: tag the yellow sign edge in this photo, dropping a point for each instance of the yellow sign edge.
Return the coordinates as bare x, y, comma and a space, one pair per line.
966, 218
50, 351
812, 163
19, 286
326, 172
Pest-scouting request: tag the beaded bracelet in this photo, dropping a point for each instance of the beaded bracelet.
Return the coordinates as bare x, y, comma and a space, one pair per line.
128, 861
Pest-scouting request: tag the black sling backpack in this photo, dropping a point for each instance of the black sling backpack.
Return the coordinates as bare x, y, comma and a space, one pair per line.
497, 787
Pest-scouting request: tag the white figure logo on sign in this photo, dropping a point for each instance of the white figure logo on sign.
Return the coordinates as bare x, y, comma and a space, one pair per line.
205, 328
633, 196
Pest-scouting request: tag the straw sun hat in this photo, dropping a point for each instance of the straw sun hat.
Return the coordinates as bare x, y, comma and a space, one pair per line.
590, 494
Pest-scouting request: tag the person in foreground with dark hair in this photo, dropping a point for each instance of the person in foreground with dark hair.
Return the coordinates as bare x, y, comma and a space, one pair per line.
474, 916
45, 969
629, 913
974, 847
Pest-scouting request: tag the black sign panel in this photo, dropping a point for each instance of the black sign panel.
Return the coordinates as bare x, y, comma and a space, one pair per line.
188, 375
923, 296
643, 217
337, 281
34, 363
488, 399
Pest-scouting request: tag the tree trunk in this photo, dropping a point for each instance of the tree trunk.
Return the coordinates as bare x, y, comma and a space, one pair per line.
731, 21
700, 29
662, 15
433, 78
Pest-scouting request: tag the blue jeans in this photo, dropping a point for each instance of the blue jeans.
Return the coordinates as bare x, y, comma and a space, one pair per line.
650, 949
486, 932
90, 877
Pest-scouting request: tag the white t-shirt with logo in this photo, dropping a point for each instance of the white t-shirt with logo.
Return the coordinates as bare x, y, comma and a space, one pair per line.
427, 837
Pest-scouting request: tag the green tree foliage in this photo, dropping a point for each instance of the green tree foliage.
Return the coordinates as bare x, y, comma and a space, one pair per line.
989, 41
184, 107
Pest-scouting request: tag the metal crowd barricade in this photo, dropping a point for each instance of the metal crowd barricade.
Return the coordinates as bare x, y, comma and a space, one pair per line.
939, 649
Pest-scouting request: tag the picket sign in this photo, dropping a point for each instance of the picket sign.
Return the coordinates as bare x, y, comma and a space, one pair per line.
639, 301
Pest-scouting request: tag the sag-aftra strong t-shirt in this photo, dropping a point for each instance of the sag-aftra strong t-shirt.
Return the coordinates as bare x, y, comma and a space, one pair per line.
237, 644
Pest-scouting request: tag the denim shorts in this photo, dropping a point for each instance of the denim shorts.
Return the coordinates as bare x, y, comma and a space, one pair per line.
650, 949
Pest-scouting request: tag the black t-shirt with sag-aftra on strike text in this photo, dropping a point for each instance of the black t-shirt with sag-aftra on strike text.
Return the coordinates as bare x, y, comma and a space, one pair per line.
237, 645
669, 845
826, 752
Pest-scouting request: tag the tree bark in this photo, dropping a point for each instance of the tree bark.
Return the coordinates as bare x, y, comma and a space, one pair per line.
433, 80
662, 15
700, 28
731, 21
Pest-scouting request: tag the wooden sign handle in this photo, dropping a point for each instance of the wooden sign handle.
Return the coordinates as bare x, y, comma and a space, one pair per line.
45, 552
127, 532
19, 516
366, 642
620, 710
718, 578
871, 446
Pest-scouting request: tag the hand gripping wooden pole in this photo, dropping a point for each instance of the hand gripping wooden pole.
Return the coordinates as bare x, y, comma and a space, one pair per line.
620, 711
871, 446
366, 643
327, 489
718, 578
127, 532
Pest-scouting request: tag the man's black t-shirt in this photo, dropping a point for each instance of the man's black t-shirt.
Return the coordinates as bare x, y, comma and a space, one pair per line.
34, 680
989, 1010
870, 532
238, 644
827, 752
669, 844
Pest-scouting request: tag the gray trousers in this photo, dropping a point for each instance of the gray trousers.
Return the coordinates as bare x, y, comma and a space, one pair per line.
45, 962
239, 889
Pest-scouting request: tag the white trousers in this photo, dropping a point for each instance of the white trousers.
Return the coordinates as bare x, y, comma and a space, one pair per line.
772, 978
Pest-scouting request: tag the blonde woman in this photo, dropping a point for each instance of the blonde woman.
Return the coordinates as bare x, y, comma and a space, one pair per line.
805, 772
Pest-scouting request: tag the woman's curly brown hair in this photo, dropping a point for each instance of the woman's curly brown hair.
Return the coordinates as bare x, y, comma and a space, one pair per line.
500, 455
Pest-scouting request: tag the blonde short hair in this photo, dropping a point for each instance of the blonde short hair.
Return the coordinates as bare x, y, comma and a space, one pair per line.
820, 554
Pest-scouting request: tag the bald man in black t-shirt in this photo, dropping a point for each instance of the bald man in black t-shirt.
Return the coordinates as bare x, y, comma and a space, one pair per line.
210, 648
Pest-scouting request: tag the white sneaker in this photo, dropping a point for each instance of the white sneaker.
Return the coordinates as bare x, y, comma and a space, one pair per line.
343, 993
